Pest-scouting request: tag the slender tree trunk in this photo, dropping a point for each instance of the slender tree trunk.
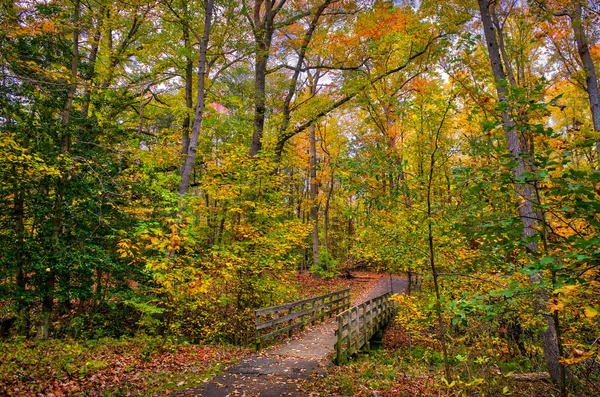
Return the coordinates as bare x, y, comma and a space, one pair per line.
300, 193
87, 94
502, 47
66, 114
58, 216
314, 192
314, 186
185, 138
525, 193
197, 126
591, 80
221, 228
98, 292
19, 214
85, 110
432, 264
326, 214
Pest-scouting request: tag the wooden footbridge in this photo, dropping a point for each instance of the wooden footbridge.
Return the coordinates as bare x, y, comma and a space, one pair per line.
357, 326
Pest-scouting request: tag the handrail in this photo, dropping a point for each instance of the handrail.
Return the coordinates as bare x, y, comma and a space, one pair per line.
285, 318
357, 325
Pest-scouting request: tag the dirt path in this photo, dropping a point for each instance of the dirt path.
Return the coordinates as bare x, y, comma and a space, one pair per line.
284, 369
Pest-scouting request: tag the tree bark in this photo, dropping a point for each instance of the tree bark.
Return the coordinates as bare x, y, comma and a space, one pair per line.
502, 47
263, 35
314, 192
312, 173
591, 80
185, 138
326, 214
87, 94
197, 126
524, 190
66, 114
264, 29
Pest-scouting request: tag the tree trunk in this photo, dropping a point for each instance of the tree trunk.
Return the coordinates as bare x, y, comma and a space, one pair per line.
87, 94
185, 137
66, 114
314, 185
98, 292
432, 263
502, 47
591, 80
260, 80
65, 141
326, 214
19, 214
524, 191
263, 34
188, 167
314, 192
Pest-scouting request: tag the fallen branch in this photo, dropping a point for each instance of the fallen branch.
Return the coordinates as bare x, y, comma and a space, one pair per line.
530, 377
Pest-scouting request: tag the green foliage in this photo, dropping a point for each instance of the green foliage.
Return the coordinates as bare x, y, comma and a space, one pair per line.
327, 267
149, 320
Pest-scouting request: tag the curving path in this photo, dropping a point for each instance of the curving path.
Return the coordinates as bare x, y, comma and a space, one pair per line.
283, 370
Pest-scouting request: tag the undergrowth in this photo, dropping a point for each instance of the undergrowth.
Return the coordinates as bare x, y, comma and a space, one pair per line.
140, 366
411, 364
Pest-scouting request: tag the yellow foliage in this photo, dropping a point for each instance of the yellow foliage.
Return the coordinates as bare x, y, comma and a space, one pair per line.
409, 316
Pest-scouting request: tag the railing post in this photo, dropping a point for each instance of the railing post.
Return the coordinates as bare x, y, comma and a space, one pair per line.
338, 345
257, 333
347, 300
290, 322
349, 342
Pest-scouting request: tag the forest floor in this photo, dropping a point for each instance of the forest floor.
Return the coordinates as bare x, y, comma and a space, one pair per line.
290, 368
143, 365
298, 366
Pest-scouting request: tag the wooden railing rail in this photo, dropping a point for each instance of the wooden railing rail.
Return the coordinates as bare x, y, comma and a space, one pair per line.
357, 325
275, 320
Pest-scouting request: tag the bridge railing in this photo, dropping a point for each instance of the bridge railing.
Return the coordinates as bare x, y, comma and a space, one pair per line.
275, 320
357, 325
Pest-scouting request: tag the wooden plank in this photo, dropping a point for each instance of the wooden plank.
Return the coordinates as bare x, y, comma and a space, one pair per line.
279, 331
289, 316
287, 306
